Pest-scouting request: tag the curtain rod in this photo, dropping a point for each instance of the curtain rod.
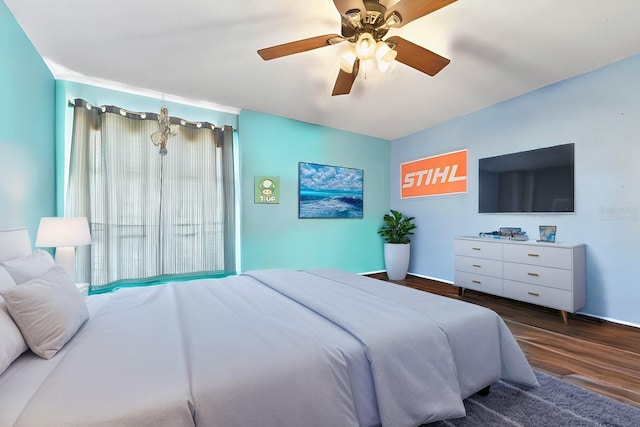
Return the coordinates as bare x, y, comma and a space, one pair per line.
142, 115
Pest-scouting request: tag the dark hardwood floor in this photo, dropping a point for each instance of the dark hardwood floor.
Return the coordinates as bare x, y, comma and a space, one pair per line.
596, 354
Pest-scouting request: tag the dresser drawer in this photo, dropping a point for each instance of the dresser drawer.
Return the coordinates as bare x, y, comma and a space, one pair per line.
478, 282
478, 248
551, 277
486, 267
540, 255
540, 295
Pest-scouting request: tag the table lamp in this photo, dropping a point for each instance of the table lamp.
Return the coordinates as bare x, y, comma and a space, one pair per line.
64, 234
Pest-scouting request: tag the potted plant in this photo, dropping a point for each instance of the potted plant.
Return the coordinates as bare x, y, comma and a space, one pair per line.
396, 231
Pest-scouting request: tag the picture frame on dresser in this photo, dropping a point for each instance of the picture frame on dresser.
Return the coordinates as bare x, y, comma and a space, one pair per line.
547, 233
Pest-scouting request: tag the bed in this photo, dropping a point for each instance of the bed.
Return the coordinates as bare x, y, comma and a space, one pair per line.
271, 348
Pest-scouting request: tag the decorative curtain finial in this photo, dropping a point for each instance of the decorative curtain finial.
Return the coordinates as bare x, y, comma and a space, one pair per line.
161, 137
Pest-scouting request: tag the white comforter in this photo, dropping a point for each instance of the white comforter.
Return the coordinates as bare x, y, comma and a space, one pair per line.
271, 348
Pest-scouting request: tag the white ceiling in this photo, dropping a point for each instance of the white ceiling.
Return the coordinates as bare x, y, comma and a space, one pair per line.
205, 50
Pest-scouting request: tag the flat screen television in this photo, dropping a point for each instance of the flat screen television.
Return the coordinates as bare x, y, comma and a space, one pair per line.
535, 181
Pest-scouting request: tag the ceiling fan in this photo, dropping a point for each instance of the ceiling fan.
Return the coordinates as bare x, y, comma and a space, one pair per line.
364, 24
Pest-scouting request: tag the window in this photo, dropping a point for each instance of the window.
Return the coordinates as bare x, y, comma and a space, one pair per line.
150, 214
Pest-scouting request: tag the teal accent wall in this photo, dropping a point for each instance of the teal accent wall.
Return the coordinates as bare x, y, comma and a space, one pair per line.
272, 236
268, 145
599, 112
27, 146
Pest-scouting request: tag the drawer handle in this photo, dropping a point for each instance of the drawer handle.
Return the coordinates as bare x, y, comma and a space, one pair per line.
534, 274
534, 294
476, 265
477, 282
475, 249
533, 255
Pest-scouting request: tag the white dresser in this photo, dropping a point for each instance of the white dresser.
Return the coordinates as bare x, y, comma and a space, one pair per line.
547, 274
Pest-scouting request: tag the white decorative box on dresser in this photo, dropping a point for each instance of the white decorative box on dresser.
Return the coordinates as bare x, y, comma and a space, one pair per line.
547, 274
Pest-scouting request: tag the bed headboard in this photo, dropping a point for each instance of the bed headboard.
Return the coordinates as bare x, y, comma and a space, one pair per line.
14, 243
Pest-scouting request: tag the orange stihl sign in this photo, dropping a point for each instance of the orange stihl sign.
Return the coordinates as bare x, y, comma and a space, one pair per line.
444, 174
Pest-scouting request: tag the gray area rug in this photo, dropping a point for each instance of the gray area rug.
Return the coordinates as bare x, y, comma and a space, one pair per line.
554, 403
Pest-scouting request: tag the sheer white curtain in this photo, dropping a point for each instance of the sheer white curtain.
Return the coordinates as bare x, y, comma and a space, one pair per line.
150, 214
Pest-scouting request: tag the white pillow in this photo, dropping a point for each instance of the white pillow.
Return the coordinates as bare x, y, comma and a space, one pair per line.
12, 344
27, 267
48, 310
6, 281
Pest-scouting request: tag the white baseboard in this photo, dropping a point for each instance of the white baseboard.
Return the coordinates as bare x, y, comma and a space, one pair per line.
609, 319
371, 272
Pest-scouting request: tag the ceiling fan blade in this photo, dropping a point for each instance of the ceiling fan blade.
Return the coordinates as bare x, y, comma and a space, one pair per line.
344, 6
345, 80
418, 57
410, 10
299, 46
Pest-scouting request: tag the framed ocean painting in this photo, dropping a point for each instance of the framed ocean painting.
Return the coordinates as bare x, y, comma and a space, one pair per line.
547, 233
326, 191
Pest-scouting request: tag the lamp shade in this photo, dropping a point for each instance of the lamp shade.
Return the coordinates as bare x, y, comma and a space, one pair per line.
384, 52
365, 46
347, 59
63, 232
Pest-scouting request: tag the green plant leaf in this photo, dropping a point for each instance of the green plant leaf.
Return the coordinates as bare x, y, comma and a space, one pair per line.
397, 228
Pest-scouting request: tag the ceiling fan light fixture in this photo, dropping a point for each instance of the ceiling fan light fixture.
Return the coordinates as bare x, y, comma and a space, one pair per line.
384, 52
393, 19
385, 56
383, 66
364, 23
365, 46
347, 59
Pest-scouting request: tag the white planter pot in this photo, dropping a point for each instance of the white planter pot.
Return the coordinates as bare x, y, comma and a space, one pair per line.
396, 260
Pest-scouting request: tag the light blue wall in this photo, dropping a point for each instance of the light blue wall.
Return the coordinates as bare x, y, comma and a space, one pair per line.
600, 113
27, 91
272, 235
